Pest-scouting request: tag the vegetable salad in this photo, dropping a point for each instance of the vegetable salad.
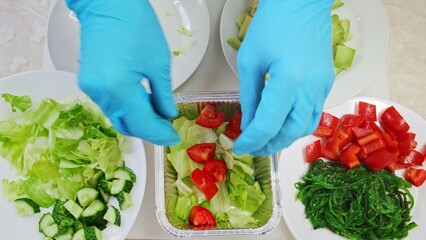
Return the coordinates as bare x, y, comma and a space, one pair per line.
207, 185
68, 160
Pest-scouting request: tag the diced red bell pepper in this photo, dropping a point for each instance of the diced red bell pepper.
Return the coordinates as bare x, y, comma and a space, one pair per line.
370, 125
373, 146
392, 120
361, 132
327, 124
349, 157
313, 151
345, 136
416, 176
406, 142
330, 148
350, 120
390, 142
367, 111
414, 157
380, 159
398, 165
369, 138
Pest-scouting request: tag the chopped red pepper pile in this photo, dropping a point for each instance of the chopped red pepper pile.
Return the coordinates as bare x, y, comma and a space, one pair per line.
363, 138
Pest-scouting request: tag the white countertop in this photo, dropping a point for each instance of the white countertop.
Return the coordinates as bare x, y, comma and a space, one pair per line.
23, 25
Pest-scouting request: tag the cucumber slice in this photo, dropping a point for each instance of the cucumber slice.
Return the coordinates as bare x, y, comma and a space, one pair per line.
73, 208
113, 215
50, 231
94, 213
45, 221
92, 233
79, 235
64, 234
125, 200
120, 185
125, 173
86, 196
26, 207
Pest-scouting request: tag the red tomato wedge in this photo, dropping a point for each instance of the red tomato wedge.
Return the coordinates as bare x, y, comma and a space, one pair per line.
233, 129
202, 152
204, 183
210, 117
201, 218
415, 176
313, 151
216, 169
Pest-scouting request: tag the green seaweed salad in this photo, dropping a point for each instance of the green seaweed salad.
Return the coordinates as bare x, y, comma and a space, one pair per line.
356, 203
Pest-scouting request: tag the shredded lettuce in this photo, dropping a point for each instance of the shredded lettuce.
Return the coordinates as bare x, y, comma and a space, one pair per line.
17, 102
56, 148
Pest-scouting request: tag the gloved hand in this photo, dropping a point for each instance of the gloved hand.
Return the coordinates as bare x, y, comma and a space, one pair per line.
290, 40
121, 43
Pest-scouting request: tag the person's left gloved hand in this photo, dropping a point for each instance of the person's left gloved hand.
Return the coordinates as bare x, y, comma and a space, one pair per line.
121, 43
291, 41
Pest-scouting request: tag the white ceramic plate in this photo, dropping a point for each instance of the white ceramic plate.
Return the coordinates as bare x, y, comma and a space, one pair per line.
370, 39
61, 85
293, 167
63, 35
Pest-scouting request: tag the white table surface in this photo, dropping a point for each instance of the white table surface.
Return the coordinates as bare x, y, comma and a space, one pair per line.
212, 74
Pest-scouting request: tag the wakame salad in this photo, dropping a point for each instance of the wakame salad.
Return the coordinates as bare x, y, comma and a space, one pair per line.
206, 185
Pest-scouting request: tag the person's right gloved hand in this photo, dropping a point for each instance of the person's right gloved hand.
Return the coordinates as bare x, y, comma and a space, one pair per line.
291, 41
121, 43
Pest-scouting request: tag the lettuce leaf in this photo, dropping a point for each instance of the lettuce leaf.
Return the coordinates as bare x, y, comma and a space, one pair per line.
57, 148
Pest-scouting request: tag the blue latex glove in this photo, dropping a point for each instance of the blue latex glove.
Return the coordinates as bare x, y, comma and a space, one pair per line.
290, 40
121, 43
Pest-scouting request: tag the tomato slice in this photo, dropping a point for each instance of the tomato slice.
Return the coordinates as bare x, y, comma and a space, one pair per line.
204, 183
233, 129
210, 117
327, 124
380, 159
416, 176
202, 218
313, 151
202, 152
392, 121
216, 169
367, 111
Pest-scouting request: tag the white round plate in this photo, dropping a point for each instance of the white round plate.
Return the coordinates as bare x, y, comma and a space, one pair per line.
60, 86
63, 35
292, 167
370, 39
